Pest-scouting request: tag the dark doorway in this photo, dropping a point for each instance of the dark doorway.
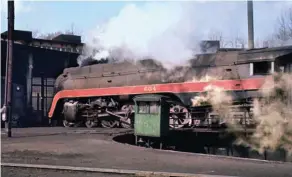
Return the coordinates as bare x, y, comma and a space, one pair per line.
42, 96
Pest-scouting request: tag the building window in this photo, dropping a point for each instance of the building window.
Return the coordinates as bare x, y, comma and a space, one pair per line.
262, 68
143, 108
148, 108
153, 108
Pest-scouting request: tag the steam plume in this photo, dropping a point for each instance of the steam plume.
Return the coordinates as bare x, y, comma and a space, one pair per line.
160, 31
272, 113
206, 78
217, 98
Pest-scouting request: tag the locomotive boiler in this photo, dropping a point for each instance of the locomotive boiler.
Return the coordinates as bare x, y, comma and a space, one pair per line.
101, 94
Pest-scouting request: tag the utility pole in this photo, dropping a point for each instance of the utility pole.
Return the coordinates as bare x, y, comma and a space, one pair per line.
8, 75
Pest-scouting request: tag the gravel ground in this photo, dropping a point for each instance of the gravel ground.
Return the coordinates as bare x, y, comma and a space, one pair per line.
98, 150
29, 172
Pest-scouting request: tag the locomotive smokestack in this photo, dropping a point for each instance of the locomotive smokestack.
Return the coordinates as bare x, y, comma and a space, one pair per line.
250, 24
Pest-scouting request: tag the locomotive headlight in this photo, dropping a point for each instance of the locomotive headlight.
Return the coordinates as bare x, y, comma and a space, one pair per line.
17, 88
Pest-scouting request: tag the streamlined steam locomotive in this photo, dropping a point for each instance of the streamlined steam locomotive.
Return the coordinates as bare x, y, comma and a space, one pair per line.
101, 94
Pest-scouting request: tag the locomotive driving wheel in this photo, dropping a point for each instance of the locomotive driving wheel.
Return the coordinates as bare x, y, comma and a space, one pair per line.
108, 123
67, 123
178, 120
129, 115
90, 123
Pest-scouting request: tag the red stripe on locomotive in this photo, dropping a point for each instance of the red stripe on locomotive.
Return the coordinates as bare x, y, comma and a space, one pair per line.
228, 85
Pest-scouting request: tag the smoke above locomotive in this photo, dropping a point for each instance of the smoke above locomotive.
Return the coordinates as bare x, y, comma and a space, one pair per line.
156, 30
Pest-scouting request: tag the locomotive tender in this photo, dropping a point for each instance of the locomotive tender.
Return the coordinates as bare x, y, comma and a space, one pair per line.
101, 94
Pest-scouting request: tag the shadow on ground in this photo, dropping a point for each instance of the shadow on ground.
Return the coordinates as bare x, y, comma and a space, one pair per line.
207, 144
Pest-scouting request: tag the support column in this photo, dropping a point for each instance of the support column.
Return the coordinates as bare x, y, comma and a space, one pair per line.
42, 96
29, 80
272, 67
250, 69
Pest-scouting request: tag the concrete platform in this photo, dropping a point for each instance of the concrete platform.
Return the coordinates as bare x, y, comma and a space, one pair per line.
96, 149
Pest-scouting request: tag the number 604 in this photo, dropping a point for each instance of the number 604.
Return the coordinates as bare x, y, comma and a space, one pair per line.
149, 88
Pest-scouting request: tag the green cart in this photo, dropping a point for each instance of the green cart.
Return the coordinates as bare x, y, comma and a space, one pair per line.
151, 119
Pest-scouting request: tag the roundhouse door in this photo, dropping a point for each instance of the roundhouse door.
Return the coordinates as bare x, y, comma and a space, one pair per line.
42, 95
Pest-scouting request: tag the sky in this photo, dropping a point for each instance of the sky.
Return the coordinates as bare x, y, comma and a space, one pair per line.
229, 17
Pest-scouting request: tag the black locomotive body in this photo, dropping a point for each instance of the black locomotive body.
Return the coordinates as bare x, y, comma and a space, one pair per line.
117, 109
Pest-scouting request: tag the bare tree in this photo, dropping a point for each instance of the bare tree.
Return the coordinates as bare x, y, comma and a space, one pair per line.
50, 36
232, 42
284, 26
270, 41
35, 33
283, 30
236, 42
217, 36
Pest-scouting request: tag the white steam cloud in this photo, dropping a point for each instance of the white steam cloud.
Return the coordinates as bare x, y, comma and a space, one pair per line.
160, 31
272, 113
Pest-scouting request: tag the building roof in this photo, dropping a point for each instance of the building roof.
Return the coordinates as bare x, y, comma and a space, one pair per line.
26, 37
224, 57
263, 54
19, 35
68, 38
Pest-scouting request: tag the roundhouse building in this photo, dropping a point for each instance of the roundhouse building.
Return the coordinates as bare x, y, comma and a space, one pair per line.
36, 64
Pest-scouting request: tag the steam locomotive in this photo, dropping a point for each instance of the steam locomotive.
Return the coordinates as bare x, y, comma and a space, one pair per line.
101, 94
